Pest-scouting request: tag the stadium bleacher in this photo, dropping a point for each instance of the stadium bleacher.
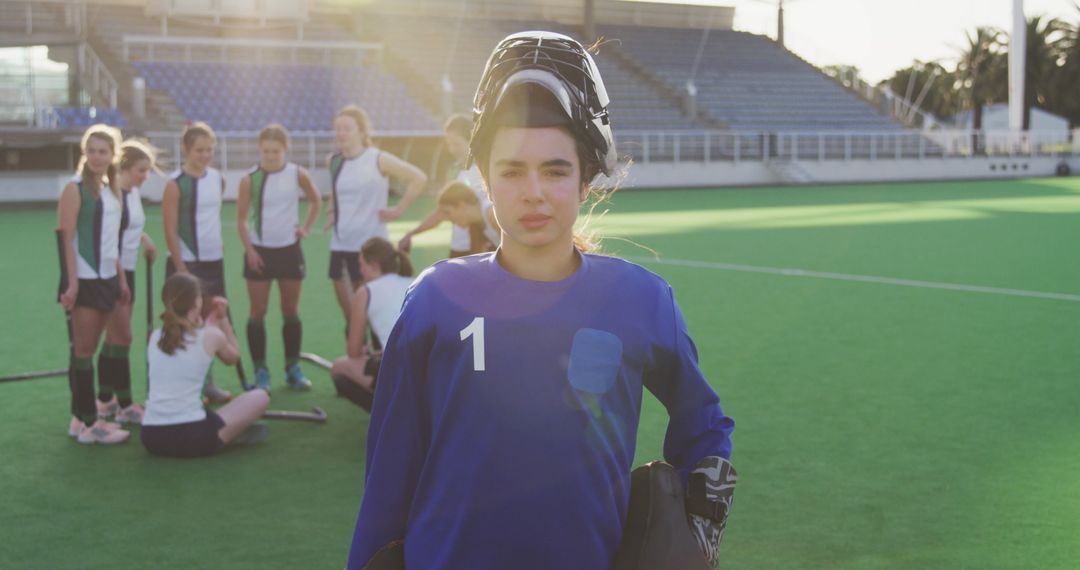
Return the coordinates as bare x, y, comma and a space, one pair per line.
235, 96
748, 81
635, 106
744, 82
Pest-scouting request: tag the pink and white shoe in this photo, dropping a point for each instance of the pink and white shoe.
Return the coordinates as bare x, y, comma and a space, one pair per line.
107, 409
132, 414
102, 433
76, 426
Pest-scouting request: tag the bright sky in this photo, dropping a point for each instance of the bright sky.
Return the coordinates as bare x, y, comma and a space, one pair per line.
881, 36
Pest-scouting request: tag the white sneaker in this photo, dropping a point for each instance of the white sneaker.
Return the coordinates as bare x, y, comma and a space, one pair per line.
107, 409
76, 426
101, 433
132, 414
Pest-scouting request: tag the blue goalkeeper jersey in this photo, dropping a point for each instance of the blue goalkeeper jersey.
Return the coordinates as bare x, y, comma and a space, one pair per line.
506, 411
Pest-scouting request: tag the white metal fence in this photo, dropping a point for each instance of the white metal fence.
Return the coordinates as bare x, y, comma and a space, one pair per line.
189, 49
310, 148
239, 149
732, 146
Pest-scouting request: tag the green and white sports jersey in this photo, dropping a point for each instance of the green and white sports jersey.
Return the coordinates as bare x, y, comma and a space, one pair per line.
132, 232
199, 223
97, 232
360, 190
274, 209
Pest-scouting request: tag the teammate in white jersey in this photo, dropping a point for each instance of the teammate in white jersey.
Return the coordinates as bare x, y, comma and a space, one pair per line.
387, 275
459, 204
89, 215
360, 177
114, 368
179, 354
464, 239
267, 215
191, 213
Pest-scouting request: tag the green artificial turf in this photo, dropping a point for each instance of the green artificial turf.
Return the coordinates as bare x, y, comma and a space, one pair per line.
878, 425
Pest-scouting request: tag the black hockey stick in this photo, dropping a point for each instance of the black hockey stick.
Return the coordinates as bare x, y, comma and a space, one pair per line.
149, 311
240, 374
316, 415
33, 375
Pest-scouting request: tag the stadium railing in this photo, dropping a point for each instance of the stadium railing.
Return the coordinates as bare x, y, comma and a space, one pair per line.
735, 146
238, 149
101, 81
189, 49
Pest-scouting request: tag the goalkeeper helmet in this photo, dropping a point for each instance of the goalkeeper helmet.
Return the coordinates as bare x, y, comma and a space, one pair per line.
544, 79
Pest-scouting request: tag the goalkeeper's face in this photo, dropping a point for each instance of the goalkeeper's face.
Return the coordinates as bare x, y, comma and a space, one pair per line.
534, 176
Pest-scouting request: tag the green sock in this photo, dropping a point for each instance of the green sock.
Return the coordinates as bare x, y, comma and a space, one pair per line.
82, 389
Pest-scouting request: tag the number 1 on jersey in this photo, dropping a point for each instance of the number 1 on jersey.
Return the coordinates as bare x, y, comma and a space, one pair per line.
476, 330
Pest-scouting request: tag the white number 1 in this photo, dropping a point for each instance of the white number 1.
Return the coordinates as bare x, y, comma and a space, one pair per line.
476, 330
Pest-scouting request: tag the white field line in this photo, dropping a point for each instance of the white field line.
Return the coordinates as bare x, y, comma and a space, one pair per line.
857, 278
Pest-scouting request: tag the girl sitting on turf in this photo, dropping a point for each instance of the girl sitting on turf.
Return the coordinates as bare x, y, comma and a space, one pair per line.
179, 355
504, 422
137, 159
387, 275
271, 193
459, 204
90, 213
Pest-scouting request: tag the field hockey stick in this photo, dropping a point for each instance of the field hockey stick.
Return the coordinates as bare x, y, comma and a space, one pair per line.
67, 314
239, 363
316, 415
316, 360
33, 375
149, 311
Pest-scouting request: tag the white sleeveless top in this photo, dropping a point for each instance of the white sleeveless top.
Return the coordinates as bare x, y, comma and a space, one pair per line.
97, 233
459, 236
385, 297
132, 238
199, 223
176, 381
360, 191
274, 209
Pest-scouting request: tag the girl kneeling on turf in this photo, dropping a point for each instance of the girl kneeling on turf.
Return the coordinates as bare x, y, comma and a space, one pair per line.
271, 235
387, 275
176, 424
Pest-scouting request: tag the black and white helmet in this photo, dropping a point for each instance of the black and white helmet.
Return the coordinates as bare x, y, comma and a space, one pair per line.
564, 69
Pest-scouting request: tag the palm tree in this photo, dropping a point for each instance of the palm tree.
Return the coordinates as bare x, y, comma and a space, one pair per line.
1043, 62
982, 71
1065, 81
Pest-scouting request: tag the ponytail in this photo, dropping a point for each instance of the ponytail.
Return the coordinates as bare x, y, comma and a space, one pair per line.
174, 330
180, 293
405, 268
378, 251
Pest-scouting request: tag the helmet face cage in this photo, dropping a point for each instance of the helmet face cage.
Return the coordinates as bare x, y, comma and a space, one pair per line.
569, 63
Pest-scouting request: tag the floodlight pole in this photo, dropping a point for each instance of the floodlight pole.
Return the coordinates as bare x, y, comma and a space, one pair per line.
780, 24
589, 18
1017, 61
